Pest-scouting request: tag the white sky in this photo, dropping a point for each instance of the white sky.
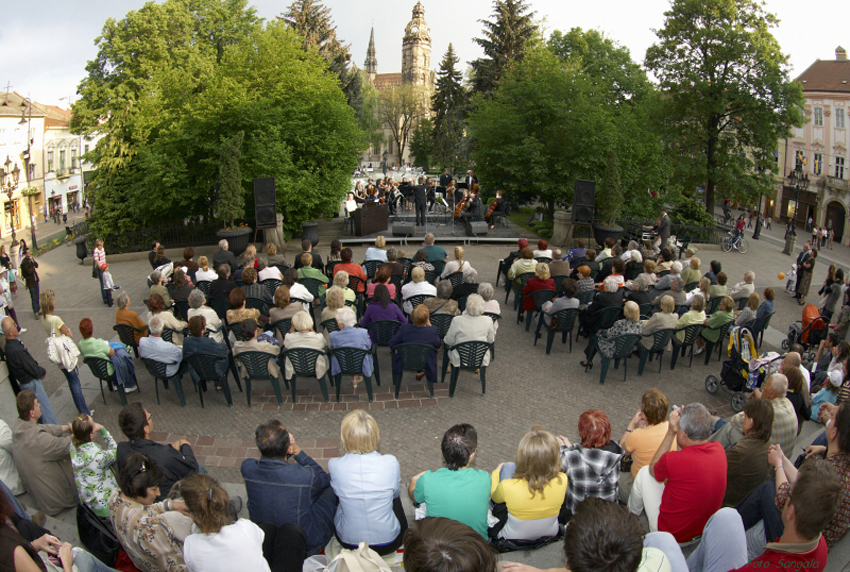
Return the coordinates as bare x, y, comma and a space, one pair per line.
47, 43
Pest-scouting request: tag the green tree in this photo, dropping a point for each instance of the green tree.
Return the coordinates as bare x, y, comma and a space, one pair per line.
543, 127
506, 39
726, 87
449, 104
399, 108
231, 205
422, 144
609, 194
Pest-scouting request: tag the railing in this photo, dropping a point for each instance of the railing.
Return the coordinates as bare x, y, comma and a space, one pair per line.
683, 232
171, 237
836, 182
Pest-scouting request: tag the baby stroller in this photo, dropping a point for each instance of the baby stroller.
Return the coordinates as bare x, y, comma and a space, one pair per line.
808, 332
744, 370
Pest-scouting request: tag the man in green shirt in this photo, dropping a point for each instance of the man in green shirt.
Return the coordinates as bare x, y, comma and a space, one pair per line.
435, 253
457, 491
307, 271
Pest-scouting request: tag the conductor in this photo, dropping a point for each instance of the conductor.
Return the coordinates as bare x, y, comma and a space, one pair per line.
419, 194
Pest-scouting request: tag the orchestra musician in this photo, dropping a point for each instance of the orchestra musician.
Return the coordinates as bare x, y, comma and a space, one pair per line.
496, 208
359, 195
471, 210
471, 180
431, 195
445, 179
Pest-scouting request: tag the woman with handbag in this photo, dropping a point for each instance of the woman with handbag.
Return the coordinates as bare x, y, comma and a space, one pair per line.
59, 336
99, 255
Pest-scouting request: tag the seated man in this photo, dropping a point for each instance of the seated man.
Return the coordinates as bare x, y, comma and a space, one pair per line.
24, 371
307, 271
558, 267
396, 267
457, 491
784, 431
176, 461
439, 544
281, 492
695, 475
221, 287
316, 261
197, 343
224, 256
250, 343
507, 262
43, 456
664, 283
436, 253
257, 291
794, 359
577, 253
155, 348
745, 288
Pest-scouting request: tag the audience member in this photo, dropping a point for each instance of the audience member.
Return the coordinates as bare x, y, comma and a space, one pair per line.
222, 286
197, 343
224, 256
566, 301
442, 302
471, 326
251, 343
664, 320
746, 460
417, 287
157, 287
94, 470
307, 271
124, 315
378, 251
303, 336
197, 308
350, 336
644, 434
395, 267
267, 272
153, 347
745, 288
156, 305
435, 252
382, 309
25, 370
299, 291
438, 544
307, 248
205, 273
353, 269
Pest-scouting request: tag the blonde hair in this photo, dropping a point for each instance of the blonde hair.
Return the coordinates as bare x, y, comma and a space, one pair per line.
335, 298
271, 249
537, 459
341, 279
542, 271
48, 302
250, 252
705, 287
459, 255
417, 274
204, 263
207, 502
753, 301
98, 243
359, 433
668, 304
631, 311
695, 263
698, 304
649, 266
380, 242
727, 303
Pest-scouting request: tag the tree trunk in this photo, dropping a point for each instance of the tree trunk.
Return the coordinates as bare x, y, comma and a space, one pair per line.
710, 183
550, 209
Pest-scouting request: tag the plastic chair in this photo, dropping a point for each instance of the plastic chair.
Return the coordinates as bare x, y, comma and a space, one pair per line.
461, 303
543, 259
126, 333
495, 317
471, 357
691, 334
271, 285
586, 297
313, 286
540, 297
566, 322
523, 278
709, 346
395, 280
370, 267
257, 304
256, 366
691, 286
660, 339
100, 369
741, 303
350, 362
431, 277
168, 334
303, 362
204, 367
623, 346
235, 328
181, 310
713, 304
439, 266
220, 305
204, 286
407, 263
759, 327
443, 322
605, 318
417, 300
331, 325
662, 274
282, 327
558, 280
645, 309
414, 357
455, 278
158, 371
384, 331
329, 268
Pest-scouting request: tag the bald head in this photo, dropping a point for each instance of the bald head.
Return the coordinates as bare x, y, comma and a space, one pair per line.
10, 330
792, 359
776, 387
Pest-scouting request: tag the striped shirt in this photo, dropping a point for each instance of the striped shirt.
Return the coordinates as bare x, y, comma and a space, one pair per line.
99, 256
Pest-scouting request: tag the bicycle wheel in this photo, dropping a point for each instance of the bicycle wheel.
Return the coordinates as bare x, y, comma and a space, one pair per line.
743, 246
726, 244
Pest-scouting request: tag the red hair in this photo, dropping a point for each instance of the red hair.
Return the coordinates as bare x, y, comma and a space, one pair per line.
86, 328
542, 245
594, 429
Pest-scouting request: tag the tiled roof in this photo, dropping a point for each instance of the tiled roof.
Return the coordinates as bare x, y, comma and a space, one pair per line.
827, 75
386, 80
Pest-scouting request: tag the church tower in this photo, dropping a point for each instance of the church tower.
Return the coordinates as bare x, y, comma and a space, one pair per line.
370, 66
416, 49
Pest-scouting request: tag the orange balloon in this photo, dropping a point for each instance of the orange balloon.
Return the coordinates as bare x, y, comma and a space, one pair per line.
782, 276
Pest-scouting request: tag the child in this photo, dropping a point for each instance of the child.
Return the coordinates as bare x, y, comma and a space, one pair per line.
792, 279
829, 393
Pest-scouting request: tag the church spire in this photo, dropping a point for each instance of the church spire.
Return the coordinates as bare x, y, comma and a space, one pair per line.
370, 66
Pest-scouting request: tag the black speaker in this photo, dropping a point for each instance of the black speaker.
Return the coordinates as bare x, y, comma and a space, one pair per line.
583, 199
265, 209
479, 228
402, 229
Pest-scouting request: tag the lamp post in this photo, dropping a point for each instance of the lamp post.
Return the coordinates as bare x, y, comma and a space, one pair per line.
9, 182
800, 182
27, 118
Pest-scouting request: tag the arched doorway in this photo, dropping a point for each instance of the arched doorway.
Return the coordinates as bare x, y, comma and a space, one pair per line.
836, 215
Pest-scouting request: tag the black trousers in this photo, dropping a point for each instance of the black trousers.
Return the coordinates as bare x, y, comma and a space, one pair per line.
420, 211
284, 547
398, 511
759, 505
34, 298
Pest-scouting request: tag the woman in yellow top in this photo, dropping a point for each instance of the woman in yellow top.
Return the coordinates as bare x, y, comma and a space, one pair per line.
529, 493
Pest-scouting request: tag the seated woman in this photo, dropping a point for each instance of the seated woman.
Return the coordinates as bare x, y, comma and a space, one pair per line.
719, 289
696, 315
422, 261
522, 265
160, 259
634, 266
417, 287
307, 271
711, 331
257, 291
645, 432
273, 258
665, 261
456, 265
340, 280
748, 314
125, 373
93, 467
296, 290
217, 544
335, 250
541, 281
747, 459
238, 312
828, 394
377, 252
382, 278
124, 315
197, 299
530, 492
303, 336
704, 290
334, 300
182, 289
766, 307
383, 308
566, 301
592, 466
350, 336
471, 326
663, 320
155, 308
468, 286
352, 269
543, 250
648, 274
601, 341
638, 291
198, 343
145, 528
250, 343
491, 306
368, 486
584, 281
418, 331
157, 287
283, 307
798, 395
442, 303
249, 257
618, 271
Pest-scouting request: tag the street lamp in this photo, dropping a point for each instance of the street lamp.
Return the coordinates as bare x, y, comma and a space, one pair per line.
800, 182
27, 118
9, 182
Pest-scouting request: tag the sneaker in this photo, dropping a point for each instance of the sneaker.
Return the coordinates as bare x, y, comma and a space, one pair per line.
116, 287
235, 507
699, 351
131, 389
22, 330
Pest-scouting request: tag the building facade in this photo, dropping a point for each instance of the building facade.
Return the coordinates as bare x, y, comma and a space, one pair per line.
820, 148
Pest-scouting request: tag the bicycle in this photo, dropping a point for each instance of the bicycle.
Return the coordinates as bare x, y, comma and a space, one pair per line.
69, 236
738, 242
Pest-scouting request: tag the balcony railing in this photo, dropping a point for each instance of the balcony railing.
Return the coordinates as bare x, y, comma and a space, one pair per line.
837, 183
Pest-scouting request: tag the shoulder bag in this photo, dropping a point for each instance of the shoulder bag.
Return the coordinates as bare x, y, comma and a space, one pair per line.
61, 350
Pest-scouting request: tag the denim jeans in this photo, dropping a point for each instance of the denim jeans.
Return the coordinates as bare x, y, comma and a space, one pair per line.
85, 562
73, 378
723, 546
16, 506
34, 298
48, 417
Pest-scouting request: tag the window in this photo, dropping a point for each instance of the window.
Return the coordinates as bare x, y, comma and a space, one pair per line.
799, 161
818, 116
839, 167
73, 158
85, 148
817, 168
50, 159
839, 118
61, 160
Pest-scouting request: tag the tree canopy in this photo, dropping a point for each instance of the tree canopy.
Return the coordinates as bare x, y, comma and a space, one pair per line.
400, 109
449, 105
506, 39
168, 86
727, 94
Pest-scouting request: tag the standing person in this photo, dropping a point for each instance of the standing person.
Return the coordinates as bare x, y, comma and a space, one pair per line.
419, 195
24, 369
54, 326
800, 258
6, 296
664, 228
806, 271
22, 246
99, 255
28, 269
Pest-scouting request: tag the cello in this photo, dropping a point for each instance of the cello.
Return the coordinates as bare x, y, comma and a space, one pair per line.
461, 206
